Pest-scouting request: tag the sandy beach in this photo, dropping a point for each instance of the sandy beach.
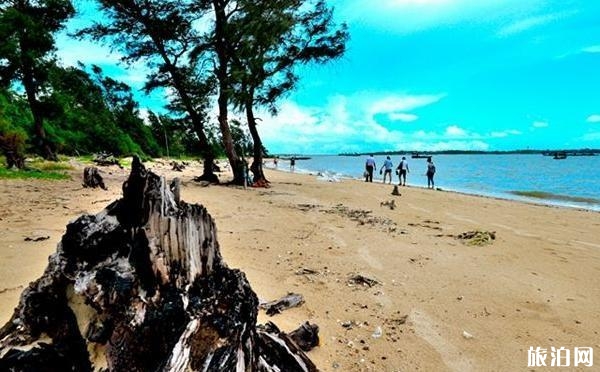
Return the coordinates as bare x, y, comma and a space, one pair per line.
440, 304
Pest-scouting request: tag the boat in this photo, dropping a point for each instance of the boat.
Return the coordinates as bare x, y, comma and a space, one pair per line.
559, 155
416, 155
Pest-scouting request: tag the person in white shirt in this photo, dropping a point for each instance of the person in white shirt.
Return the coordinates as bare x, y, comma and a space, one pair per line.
401, 171
387, 169
370, 166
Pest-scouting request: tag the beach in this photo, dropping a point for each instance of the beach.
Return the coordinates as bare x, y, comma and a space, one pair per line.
438, 303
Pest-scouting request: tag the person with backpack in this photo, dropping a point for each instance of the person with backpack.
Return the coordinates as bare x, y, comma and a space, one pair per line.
430, 173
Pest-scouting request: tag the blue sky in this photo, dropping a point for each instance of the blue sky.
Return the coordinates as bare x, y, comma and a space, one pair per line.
435, 75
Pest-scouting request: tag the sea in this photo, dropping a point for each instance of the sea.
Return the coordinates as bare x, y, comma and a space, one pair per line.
571, 182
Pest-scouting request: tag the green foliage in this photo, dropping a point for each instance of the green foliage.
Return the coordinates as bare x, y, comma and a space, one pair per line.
160, 33
26, 31
271, 38
12, 139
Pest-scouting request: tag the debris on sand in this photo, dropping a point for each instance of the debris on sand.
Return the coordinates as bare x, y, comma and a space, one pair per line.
477, 237
286, 302
358, 279
389, 203
363, 217
36, 238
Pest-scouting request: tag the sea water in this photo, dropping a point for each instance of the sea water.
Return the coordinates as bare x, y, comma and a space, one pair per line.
573, 182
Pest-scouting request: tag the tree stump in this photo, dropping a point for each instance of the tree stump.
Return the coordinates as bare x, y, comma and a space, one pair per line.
142, 286
92, 178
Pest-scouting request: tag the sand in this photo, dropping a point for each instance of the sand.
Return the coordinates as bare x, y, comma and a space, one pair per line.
441, 304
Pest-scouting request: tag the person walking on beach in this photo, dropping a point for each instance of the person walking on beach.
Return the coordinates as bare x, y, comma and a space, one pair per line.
275, 162
387, 168
292, 163
430, 173
401, 171
370, 166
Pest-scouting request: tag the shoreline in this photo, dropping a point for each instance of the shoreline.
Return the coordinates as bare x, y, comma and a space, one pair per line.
533, 285
498, 196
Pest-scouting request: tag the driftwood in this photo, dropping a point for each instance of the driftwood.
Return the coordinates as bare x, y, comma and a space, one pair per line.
92, 178
105, 159
178, 167
285, 302
391, 204
306, 336
142, 286
359, 279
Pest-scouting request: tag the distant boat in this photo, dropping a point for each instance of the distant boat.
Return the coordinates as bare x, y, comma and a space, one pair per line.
416, 155
295, 158
559, 155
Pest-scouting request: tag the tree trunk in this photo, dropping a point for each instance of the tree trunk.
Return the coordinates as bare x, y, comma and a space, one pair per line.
197, 120
41, 139
142, 286
237, 166
257, 161
92, 178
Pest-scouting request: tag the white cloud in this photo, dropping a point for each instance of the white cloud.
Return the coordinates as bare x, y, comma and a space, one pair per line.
408, 16
540, 124
401, 116
593, 118
525, 24
455, 131
393, 102
591, 49
348, 124
505, 133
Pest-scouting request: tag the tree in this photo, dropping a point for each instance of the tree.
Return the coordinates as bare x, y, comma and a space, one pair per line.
26, 31
84, 116
125, 111
221, 43
274, 37
161, 34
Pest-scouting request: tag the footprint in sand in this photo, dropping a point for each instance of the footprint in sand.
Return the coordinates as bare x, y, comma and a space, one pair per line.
516, 231
461, 218
418, 208
425, 327
369, 259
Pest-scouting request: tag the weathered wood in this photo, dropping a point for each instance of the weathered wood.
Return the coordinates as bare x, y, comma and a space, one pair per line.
178, 167
105, 159
285, 302
142, 286
92, 178
306, 336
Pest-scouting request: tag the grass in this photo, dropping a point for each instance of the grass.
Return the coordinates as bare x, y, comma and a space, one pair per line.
31, 174
551, 196
49, 166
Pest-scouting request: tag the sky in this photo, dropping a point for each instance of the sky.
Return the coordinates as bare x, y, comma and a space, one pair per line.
428, 75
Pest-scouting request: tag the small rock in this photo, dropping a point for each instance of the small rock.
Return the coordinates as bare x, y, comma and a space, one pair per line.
467, 335
378, 332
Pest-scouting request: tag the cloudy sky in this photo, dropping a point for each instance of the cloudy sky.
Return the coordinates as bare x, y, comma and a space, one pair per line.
435, 74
